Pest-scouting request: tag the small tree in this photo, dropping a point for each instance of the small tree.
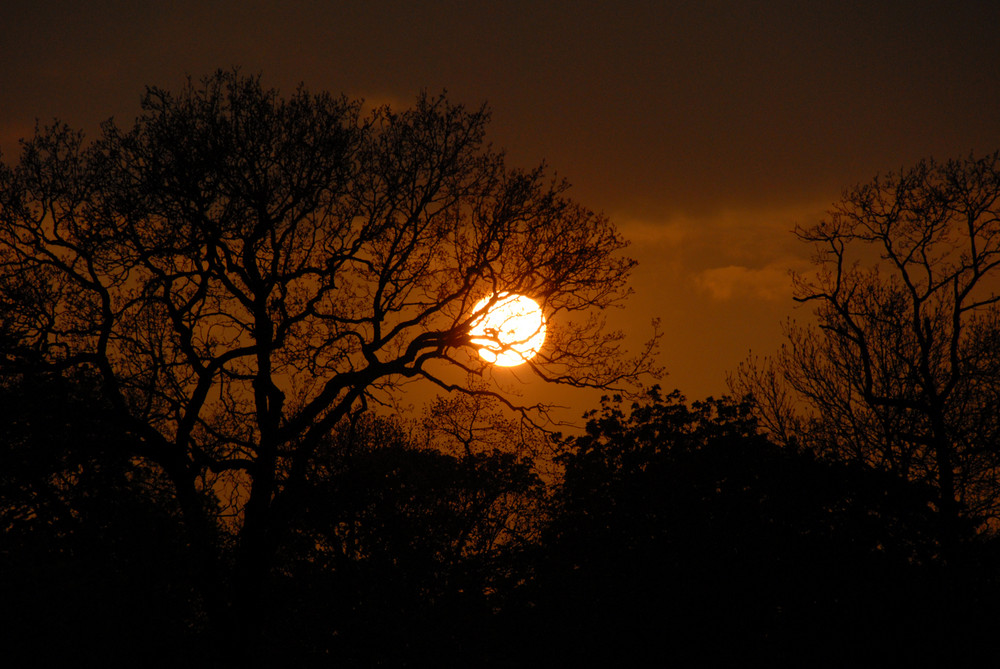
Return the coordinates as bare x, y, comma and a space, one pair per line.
242, 271
902, 370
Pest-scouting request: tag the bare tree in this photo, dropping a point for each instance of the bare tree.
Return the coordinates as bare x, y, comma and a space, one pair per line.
242, 271
902, 369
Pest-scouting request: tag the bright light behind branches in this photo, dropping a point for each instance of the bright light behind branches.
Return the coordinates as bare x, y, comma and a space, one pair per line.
511, 332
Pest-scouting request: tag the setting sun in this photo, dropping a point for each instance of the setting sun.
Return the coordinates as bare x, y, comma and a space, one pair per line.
511, 332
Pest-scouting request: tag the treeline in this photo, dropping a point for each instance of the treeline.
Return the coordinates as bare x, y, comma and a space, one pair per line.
197, 309
675, 532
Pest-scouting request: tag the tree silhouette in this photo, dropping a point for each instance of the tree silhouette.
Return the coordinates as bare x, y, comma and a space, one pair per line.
682, 534
902, 370
92, 559
402, 552
241, 272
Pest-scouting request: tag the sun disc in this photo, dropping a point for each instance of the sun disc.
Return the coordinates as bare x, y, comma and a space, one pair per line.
511, 332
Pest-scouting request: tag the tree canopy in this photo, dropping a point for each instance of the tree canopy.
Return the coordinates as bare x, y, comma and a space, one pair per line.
205, 315
241, 271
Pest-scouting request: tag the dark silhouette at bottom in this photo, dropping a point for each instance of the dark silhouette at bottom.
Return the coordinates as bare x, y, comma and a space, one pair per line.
679, 535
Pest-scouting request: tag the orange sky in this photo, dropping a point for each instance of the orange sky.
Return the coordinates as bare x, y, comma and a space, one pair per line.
706, 130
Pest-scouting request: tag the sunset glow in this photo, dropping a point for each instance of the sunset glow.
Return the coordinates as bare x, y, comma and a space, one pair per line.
511, 332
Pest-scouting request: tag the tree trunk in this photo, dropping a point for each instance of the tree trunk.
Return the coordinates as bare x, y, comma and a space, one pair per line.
204, 549
948, 507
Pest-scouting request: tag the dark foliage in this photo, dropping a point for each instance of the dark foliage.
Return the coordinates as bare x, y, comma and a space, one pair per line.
401, 554
678, 535
398, 554
682, 534
92, 561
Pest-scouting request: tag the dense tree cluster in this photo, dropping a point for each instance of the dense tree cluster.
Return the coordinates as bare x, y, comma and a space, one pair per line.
678, 532
205, 322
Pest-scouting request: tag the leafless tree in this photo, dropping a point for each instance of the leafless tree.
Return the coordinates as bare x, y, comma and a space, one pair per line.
902, 369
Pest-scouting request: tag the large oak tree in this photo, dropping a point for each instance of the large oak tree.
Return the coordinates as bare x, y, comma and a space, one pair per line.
241, 271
